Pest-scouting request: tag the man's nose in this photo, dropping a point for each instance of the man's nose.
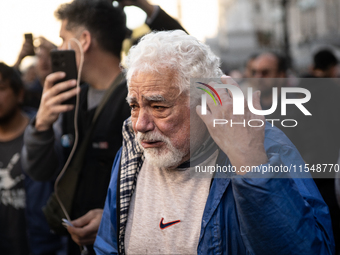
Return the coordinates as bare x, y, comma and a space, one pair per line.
144, 121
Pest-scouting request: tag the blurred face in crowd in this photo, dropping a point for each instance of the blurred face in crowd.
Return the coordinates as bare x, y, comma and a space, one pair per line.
160, 117
9, 101
248, 72
30, 75
266, 66
331, 72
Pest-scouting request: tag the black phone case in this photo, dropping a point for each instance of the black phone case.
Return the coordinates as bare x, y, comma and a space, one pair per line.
65, 61
29, 38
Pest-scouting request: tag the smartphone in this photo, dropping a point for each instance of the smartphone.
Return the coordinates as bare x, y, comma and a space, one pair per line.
65, 61
29, 38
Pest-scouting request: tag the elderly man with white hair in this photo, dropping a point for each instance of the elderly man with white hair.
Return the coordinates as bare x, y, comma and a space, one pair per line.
156, 205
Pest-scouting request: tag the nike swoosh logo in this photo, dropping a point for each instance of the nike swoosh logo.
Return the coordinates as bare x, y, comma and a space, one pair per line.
165, 225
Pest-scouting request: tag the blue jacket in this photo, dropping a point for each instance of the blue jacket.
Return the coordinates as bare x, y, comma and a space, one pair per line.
250, 215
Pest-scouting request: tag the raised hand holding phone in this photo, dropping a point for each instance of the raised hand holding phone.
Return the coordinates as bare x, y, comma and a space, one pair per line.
27, 49
51, 101
58, 88
65, 61
28, 45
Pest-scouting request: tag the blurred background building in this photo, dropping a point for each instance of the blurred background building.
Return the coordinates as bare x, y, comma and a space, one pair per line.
237, 28
247, 26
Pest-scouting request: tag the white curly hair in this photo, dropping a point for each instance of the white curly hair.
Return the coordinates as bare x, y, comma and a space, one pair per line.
177, 50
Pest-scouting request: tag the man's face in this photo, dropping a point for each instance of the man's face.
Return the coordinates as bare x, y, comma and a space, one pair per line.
66, 35
160, 117
9, 101
331, 72
266, 66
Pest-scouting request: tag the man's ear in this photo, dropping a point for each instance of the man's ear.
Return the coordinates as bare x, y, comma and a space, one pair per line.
85, 40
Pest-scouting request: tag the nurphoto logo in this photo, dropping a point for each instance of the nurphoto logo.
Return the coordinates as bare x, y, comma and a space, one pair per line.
238, 103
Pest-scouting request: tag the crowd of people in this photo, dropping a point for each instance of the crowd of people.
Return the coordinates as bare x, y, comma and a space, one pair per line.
136, 135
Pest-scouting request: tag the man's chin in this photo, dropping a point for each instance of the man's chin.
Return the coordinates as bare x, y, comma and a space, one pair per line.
163, 158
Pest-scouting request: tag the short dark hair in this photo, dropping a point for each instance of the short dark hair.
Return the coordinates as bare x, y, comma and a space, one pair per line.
105, 23
324, 59
251, 57
9, 73
282, 64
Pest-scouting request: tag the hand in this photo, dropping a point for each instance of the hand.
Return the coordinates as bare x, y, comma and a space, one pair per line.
43, 42
51, 99
143, 4
26, 50
85, 228
243, 145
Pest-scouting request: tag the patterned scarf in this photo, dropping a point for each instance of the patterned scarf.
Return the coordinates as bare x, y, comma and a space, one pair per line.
131, 162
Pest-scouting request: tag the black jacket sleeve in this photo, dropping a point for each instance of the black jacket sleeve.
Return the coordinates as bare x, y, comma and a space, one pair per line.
164, 21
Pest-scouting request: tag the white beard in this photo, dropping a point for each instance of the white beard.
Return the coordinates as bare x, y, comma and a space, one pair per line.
166, 157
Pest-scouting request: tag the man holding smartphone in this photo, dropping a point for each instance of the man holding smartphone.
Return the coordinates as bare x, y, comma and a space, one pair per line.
100, 29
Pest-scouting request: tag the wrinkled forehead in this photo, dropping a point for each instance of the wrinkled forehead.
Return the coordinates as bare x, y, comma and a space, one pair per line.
162, 84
